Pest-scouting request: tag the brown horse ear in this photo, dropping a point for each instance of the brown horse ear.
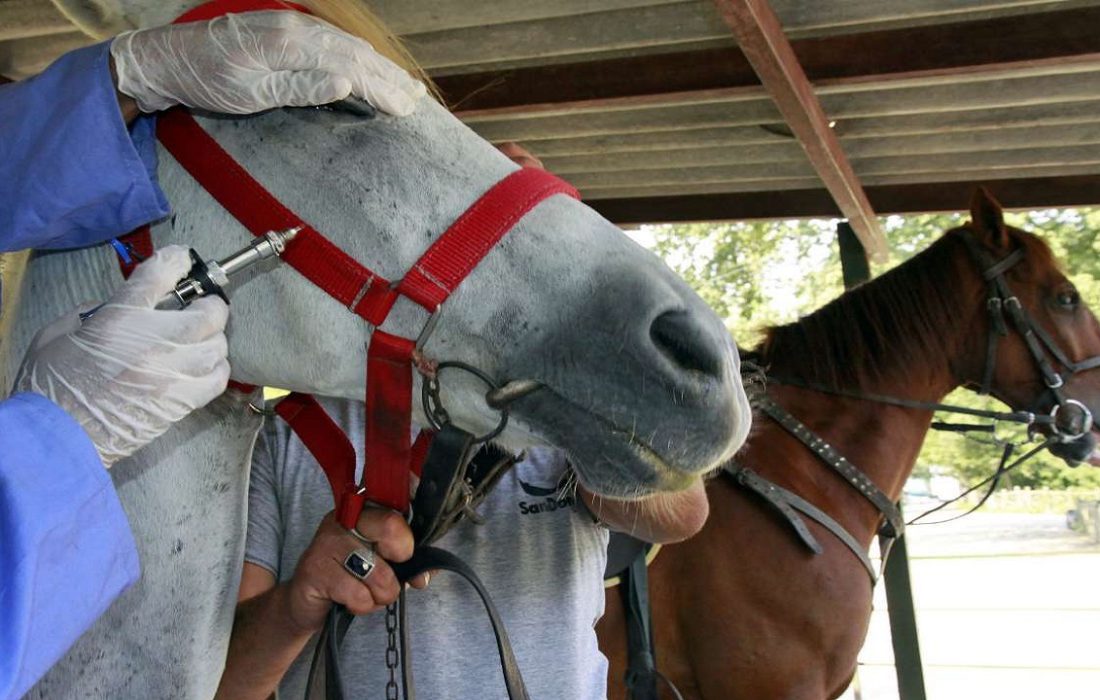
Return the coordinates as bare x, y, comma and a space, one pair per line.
988, 220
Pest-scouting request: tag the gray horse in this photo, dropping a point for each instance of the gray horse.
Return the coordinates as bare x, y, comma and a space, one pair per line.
641, 382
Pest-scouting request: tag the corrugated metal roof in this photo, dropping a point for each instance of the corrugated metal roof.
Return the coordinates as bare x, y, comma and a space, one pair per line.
989, 90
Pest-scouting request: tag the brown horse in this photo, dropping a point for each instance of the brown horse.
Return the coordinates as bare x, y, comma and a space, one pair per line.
745, 610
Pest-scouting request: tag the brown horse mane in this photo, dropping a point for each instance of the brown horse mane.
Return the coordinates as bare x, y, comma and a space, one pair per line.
905, 318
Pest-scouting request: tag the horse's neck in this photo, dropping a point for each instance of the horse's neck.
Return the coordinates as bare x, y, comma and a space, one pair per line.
882, 441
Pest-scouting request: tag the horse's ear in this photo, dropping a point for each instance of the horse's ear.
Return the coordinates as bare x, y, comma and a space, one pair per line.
987, 220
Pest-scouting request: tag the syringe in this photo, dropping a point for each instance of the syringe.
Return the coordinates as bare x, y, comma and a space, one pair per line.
212, 276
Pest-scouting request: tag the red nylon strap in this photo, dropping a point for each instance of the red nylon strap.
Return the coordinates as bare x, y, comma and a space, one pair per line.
139, 241
420, 449
389, 420
431, 280
326, 442
217, 8
389, 360
332, 449
259, 211
458, 251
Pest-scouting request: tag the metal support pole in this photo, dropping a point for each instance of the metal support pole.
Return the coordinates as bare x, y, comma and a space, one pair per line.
903, 623
853, 259
899, 587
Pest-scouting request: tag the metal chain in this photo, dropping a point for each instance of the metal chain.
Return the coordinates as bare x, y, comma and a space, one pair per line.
392, 655
433, 403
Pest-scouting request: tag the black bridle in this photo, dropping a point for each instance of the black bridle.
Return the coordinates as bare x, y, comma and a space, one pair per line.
1001, 302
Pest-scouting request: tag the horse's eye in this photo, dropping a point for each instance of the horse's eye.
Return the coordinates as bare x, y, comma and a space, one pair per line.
1069, 298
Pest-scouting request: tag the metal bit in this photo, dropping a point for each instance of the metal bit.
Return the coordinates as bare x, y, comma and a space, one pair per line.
501, 397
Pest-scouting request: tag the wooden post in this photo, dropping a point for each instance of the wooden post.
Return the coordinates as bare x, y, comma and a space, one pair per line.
760, 37
899, 587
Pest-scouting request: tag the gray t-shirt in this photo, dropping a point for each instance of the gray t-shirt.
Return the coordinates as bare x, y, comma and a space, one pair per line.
541, 559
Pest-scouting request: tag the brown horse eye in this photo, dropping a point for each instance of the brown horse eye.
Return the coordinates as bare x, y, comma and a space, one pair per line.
1069, 298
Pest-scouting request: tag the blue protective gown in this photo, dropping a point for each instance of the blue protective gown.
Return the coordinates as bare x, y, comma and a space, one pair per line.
71, 174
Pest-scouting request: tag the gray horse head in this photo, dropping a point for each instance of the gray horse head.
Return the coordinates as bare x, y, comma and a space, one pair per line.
640, 379
641, 382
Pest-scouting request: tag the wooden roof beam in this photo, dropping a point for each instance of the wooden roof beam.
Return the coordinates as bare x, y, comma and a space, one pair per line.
761, 39
1044, 39
1013, 193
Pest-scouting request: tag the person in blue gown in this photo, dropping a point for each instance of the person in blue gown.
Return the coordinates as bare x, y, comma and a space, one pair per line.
78, 167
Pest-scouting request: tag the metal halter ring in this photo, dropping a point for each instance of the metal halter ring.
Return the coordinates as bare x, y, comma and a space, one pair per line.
1086, 414
433, 406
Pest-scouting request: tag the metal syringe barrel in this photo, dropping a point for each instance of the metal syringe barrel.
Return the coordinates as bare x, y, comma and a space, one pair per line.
211, 277
271, 244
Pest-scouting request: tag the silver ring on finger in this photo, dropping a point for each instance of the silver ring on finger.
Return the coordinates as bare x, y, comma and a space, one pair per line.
360, 563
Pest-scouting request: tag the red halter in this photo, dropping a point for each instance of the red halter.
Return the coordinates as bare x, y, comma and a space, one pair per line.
390, 358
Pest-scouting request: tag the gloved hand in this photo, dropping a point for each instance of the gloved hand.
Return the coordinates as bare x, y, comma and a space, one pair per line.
130, 371
246, 63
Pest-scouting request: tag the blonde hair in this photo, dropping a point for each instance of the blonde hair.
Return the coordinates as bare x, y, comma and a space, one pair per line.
355, 18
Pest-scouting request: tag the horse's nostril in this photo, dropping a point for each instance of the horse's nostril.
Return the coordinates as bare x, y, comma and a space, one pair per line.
685, 341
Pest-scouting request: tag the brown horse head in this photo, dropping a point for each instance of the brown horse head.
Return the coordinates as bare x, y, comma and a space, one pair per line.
1044, 347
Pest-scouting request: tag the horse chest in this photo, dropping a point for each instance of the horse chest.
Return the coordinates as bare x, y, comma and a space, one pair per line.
185, 498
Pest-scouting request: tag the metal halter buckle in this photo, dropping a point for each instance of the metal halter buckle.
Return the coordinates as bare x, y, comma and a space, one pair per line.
429, 328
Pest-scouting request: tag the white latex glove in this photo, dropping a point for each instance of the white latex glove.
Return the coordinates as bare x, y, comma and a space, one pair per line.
245, 63
130, 371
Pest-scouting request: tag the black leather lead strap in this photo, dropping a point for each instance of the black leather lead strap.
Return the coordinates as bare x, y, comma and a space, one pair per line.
641, 667
442, 475
434, 559
325, 679
452, 483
